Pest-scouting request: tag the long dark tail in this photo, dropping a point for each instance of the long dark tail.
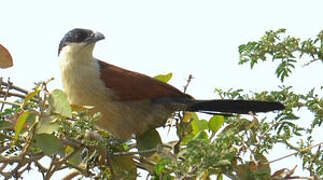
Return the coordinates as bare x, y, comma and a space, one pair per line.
234, 106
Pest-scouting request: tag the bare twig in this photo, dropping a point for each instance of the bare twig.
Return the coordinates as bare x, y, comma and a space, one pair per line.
23, 162
71, 142
292, 154
301, 177
41, 168
83, 171
71, 175
51, 169
56, 164
10, 103
7, 84
6, 94
143, 161
189, 79
12, 94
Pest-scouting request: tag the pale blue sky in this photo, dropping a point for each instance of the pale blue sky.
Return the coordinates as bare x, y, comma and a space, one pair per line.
185, 37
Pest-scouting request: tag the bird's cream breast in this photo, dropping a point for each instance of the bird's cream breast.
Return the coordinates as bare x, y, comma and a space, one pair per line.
82, 83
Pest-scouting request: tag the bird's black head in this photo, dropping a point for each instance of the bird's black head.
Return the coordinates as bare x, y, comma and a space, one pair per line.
79, 35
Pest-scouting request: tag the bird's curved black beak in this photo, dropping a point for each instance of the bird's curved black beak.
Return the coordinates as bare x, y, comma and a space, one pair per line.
97, 36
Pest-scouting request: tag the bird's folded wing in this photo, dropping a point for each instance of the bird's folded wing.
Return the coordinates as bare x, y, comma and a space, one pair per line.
129, 85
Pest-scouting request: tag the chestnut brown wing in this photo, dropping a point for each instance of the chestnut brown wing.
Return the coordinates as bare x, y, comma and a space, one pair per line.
129, 85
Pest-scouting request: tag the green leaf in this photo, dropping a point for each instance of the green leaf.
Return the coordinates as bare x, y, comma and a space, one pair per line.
47, 125
30, 96
252, 171
242, 48
78, 108
263, 168
147, 141
187, 138
124, 167
243, 172
199, 125
164, 78
216, 122
202, 135
76, 158
33, 116
236, 127
224, 162
49, 144
20, 123
161, 166
59, 103
5, 125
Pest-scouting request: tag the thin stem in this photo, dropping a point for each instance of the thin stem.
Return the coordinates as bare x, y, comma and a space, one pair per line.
292, 154
10, 103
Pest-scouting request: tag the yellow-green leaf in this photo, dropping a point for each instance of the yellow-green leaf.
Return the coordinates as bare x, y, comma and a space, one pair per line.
78, 108
30, 96
161, 165
20, 123
47, 125
76, 158
199, 125
59, 103
49, 144
263, 168
148, 141
202, 135
236, 127
187, 116
33, 116
216, 122
164, 77
250, 170
187, 138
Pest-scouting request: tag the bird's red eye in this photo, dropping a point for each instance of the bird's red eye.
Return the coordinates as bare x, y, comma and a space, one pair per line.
77, 36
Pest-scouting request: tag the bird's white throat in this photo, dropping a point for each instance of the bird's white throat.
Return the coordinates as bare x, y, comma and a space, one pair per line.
81, 76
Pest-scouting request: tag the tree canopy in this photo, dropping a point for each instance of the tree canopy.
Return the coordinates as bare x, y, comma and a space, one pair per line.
41, 123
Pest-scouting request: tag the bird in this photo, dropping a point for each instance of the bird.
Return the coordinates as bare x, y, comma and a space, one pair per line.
130, 103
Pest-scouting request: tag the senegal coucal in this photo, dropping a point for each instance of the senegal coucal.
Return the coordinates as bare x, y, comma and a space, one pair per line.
130, 102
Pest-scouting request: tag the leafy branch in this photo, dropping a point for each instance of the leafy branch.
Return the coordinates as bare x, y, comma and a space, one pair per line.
279, 47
